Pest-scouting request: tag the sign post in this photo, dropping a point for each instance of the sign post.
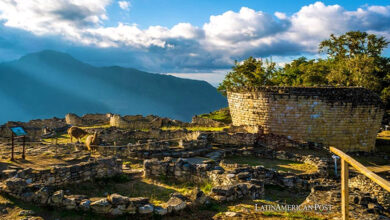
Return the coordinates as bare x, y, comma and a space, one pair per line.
24, 148
12, 149
18, 131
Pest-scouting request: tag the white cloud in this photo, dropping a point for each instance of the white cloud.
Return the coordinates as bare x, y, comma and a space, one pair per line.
248, 27
214, 78
216, 44
62, 17
125, 5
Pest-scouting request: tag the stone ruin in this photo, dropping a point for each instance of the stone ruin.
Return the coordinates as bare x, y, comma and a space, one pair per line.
164, 153
347, 118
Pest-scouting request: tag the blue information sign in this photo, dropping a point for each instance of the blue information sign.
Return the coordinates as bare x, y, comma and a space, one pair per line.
18, 131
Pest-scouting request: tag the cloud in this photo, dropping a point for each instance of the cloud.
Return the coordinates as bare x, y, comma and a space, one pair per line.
184, 47
125, 5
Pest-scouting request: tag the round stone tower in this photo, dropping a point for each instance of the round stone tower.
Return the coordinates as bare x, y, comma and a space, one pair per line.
347, 118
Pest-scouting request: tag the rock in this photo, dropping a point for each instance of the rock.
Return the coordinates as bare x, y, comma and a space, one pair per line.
27, 196
138, 201
146, 209
288, 181
8, 173
131, 209
42, 195
230, 175
180, 196
231, 214
69, 202
85, 204
101, 206
15, 185
199, 197
160, 210
117, 211
56, 198
175, 204
223, 190
243, 176
26, 213
117, 199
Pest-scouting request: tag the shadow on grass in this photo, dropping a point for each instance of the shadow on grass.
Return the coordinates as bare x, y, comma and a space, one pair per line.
123, 185
279, 194
284, 165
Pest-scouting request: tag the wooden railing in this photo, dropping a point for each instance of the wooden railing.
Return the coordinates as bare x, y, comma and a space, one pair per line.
345, 160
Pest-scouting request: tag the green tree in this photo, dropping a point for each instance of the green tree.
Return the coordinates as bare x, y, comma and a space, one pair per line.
250, 73
353, 43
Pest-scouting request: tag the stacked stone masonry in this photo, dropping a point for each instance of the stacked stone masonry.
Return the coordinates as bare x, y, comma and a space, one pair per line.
85, 171
347, 118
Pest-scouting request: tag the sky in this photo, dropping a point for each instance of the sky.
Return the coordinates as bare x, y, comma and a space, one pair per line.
198, 39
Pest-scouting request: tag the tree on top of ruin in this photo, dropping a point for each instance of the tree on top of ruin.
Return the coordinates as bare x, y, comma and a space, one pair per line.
251, 72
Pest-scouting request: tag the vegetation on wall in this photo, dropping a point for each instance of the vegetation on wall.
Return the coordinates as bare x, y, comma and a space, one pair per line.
352, 59
221, 115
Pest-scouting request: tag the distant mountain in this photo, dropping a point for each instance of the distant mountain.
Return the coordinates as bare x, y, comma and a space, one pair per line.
50, 83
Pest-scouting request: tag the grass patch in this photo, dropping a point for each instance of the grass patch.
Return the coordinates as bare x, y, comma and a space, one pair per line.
206, 187
62, 139
284, 165
383, 141
290, 215
222, 115
134, 163
97, 126
157, 191
197, 128
279, 194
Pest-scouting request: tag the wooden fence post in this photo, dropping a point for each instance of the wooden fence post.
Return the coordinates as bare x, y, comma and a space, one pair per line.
344, 189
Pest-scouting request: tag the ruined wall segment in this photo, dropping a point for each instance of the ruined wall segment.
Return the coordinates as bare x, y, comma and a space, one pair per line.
347, 118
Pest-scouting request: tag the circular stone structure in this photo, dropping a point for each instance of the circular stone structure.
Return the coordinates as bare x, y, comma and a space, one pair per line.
347, 118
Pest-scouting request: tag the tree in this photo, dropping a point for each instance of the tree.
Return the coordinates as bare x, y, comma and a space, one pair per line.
250, 73
353, 59
353, 43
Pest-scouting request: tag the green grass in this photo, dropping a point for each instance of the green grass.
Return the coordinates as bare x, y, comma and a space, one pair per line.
96, 126
206, 187
62, 139
383, 141
157, 191
197, 128
283, 165
222, 115
290, 215
276, 193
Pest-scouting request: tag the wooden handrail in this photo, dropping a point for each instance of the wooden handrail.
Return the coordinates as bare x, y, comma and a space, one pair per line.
345, 160
362, 169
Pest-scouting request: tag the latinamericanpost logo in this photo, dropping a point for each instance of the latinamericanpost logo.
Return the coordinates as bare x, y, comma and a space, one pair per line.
294, 208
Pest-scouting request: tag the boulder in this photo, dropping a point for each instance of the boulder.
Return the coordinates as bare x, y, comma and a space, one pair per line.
15, 185
101, 206
199, 197
69, 202
138, 201
176, 204
85, 204
42, 195
56, 198
116, 199
146, 209
160, 210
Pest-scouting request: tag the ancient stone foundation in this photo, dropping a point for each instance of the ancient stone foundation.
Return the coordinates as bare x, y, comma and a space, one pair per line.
347, 118
85, 171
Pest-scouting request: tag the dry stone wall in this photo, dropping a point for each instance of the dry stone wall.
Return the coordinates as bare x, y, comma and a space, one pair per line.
347, 118
87, 119
96, 168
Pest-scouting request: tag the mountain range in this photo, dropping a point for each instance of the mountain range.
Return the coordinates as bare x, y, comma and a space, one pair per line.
50, 84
